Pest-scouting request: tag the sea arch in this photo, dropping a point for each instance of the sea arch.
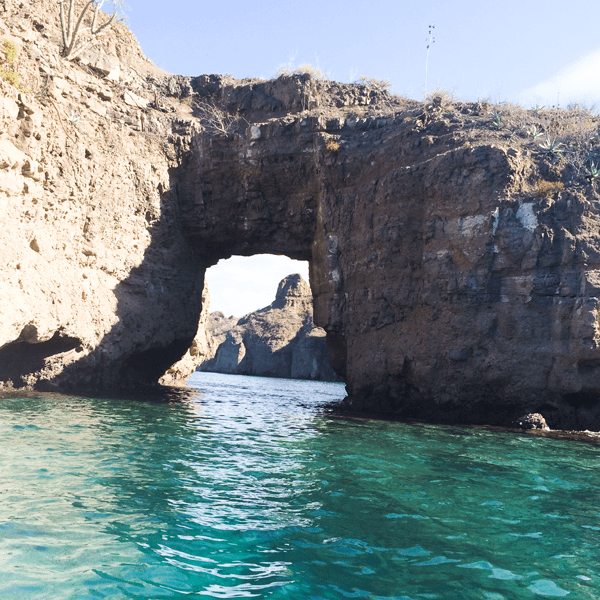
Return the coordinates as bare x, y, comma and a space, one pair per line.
434, 265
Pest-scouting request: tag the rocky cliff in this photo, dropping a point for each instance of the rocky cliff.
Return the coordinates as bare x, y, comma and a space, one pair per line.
454, 248
453, 253
279, 340
91, 226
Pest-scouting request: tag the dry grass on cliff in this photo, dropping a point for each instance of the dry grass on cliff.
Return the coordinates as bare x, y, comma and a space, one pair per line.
548, 188
215, 120
288, 70
378, 84
565, 140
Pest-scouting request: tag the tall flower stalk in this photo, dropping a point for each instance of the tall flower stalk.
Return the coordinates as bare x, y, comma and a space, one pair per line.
430, 42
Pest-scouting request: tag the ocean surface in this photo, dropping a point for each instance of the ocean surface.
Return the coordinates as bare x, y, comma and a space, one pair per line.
241, 487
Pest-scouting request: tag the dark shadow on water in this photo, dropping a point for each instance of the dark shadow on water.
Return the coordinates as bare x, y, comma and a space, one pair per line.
340, 411
154, 395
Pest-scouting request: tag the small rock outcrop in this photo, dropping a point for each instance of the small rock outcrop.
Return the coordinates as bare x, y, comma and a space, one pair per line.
217, 327
280, 340
532, 421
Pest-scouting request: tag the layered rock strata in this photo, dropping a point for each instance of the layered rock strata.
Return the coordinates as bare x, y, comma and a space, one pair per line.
279, 340
453, 263
454, 259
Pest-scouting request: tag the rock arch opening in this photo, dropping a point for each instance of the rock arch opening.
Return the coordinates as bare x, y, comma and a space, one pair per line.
243, 284
257, 320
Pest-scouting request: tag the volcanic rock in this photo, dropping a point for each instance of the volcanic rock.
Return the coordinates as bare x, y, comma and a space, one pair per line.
531, 421
217, 326
199, 351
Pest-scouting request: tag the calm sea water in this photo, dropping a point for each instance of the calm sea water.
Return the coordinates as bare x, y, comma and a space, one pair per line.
246, 490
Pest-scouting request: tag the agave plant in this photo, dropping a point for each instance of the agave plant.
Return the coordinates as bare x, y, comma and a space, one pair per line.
74, 117
592, 155
552, 146
593, 172
537, 109
534, 132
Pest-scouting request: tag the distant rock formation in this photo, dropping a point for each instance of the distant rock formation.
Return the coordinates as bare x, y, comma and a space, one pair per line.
217, 327
279, 340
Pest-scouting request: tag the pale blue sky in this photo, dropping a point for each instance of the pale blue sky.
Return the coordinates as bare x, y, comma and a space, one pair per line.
243, 284
482, 48
527, 51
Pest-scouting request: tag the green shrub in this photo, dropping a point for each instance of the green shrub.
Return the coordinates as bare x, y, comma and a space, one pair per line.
10, 50
7, 73
11, 77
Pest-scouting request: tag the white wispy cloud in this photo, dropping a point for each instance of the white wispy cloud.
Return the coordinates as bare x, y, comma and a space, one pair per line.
578, 82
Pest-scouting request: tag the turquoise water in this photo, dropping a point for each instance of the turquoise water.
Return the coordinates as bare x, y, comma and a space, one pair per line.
247, 491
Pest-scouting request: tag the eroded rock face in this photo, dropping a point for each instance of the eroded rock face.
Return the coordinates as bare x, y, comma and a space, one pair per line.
454, 264
197, 353
277, 341
217, 326
90, 223
454, 273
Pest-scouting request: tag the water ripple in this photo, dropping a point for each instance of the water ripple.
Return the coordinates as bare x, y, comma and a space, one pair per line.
248, 491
